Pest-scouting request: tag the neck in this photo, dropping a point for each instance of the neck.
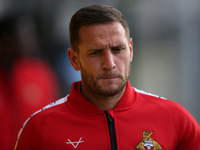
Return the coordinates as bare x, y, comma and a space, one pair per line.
103, 102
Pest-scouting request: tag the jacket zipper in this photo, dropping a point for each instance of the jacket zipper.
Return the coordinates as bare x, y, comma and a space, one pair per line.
112, 133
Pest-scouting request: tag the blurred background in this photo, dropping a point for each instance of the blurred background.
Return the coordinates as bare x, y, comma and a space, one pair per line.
35, 70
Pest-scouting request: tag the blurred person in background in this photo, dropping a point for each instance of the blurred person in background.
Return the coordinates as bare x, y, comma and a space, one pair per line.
103, 111
27, 83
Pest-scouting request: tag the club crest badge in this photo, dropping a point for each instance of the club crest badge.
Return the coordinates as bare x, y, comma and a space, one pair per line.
147, 143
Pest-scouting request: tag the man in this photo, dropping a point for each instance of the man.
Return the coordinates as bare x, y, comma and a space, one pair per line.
103, 111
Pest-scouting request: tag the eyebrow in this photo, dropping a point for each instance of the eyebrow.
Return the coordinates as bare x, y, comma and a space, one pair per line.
119, 45
114, 46
95, 49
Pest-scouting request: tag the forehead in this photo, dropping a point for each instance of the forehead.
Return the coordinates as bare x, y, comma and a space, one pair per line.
102, 34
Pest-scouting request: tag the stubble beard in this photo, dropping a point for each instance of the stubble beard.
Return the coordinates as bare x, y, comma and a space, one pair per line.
92, 85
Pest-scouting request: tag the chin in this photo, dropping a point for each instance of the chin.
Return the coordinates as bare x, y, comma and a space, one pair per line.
110, 89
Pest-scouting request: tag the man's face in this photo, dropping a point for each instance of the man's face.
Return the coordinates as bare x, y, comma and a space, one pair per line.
104, 58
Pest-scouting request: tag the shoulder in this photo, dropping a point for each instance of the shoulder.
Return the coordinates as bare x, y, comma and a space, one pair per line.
186, 127
163, 103
47, 110
34, 124
178, 114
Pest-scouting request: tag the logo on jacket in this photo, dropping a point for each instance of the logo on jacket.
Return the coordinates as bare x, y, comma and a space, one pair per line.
75, 144
147, 143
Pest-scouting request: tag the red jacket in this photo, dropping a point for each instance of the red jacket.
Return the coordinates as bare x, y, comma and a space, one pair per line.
141, 121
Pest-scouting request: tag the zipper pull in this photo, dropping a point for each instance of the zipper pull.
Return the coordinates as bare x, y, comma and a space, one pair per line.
110, 119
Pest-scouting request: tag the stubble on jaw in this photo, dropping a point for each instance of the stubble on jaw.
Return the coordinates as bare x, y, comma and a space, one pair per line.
92, 86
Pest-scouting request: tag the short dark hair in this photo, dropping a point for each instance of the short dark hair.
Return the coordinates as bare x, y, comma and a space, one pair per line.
93, 15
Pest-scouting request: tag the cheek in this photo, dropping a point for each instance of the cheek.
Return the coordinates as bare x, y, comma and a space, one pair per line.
121, 67
123, 62
124, 68
90, 67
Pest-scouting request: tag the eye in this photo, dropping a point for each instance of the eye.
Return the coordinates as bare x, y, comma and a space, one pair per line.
117, 49
95, 52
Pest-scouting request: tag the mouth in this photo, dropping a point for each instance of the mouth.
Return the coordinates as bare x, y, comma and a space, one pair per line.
109, 77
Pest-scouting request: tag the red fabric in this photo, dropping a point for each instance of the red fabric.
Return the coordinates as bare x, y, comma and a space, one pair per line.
74, 122
30, 86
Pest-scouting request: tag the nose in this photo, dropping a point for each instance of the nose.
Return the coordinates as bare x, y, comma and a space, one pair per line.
108, 60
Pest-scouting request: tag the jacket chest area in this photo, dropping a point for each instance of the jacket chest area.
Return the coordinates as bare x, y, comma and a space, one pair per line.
80, 132
93, 132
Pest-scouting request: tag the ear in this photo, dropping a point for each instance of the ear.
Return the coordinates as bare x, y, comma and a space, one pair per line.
131, 49
73, 58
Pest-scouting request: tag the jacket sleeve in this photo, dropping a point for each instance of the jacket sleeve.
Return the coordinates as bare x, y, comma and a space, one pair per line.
29, 137
187, 129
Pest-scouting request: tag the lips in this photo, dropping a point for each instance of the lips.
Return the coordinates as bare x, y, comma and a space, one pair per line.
108, 76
